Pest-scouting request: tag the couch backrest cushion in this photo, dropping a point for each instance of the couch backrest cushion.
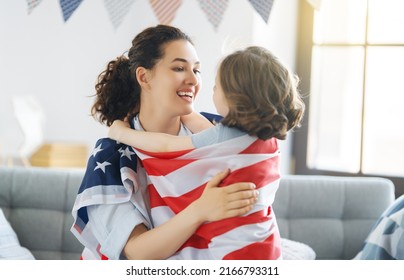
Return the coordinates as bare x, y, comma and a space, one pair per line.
37, 202
333, 215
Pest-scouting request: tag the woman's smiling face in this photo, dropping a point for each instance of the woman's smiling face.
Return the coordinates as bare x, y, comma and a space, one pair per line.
175, 80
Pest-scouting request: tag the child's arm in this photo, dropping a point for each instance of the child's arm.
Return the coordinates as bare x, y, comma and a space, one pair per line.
148, 141
196, 122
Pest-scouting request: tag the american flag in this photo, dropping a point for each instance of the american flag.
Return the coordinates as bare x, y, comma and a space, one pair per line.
174, 181
110, 178
178, 178
386, 239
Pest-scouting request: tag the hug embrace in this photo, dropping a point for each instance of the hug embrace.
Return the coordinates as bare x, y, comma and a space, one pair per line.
169, 184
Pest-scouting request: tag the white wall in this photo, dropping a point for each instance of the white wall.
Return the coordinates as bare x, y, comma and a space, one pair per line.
58, 62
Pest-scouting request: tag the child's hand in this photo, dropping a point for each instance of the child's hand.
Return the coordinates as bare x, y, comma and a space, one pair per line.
116, 129
217, 203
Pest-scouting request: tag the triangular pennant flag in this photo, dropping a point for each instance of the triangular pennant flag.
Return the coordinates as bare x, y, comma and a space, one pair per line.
68, 7
117, 10
32, 4
214, 10
263, 7
165, 10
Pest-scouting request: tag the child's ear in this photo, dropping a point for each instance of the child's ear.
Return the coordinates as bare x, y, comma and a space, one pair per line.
142, 77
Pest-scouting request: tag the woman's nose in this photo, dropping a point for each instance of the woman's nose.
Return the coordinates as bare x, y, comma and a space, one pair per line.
193, 78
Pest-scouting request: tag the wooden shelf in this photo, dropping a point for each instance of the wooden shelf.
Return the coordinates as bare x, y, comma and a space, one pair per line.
60, 155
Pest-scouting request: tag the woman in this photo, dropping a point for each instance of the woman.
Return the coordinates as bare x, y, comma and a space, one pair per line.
153, 87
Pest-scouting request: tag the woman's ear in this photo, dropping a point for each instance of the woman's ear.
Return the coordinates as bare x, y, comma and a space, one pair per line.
142, 77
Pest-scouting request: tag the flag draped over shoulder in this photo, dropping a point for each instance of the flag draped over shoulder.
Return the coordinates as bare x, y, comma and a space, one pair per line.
175, 179
110, 178
386, 239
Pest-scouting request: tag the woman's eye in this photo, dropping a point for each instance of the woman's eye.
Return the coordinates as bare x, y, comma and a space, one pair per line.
197, 71
179, 69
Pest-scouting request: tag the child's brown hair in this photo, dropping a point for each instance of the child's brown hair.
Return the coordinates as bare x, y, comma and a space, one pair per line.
261, 93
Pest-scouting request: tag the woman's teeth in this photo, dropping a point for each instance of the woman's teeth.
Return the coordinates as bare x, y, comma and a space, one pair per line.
186, 94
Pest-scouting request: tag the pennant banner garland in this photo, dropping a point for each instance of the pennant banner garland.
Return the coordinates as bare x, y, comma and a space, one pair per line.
32, 4
214, 10
263, 7
165, 10
117, 10
68, 7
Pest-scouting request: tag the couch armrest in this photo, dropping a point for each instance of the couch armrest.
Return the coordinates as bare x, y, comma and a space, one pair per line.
333, 215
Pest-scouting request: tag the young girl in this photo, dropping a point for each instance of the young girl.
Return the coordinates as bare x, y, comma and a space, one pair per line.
260, 103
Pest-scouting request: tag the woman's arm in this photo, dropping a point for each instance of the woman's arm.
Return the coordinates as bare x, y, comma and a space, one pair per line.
148, 141
196, 122
215, 203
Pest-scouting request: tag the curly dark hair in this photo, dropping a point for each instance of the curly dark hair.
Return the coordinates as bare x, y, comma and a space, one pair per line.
261, 93
117, 90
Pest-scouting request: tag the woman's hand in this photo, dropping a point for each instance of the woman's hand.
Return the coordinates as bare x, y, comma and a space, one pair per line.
116, 129
217, 203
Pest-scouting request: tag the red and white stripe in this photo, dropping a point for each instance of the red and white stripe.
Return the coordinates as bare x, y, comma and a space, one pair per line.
178, 178
165, 10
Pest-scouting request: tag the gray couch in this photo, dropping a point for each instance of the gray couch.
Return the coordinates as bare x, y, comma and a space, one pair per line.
333, 215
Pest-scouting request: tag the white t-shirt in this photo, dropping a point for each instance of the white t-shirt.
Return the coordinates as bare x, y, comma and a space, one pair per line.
112, 224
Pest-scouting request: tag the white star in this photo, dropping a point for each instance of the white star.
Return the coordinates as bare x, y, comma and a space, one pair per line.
102, 165
126, 153
96, 150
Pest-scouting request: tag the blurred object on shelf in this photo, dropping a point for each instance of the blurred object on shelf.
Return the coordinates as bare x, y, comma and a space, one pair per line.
60, 155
